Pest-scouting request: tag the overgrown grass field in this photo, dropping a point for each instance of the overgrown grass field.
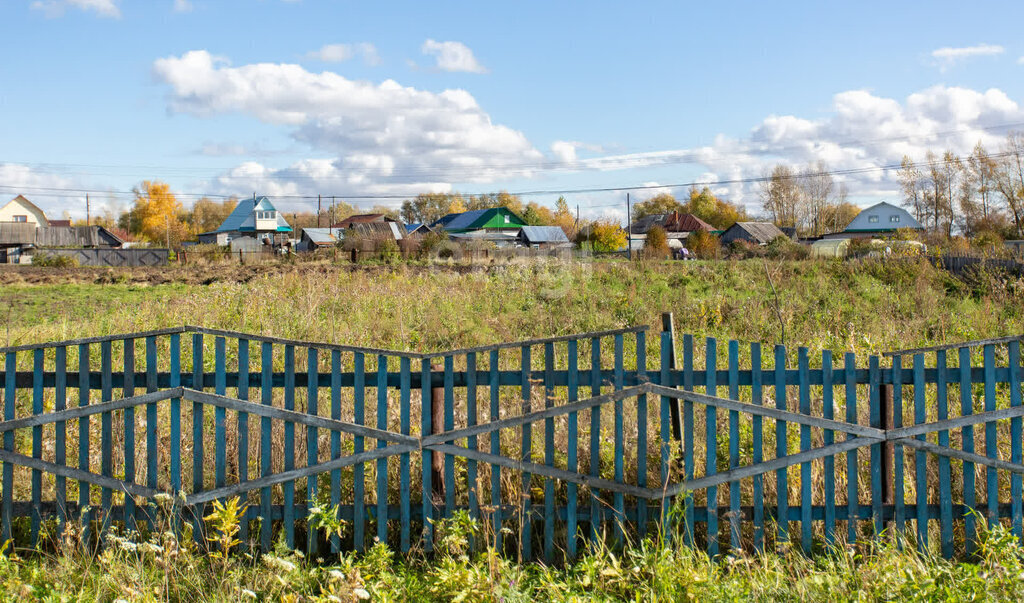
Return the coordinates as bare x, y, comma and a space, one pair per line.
864, 307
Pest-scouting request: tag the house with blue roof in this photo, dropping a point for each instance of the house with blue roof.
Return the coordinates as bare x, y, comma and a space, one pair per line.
256, 218
493, 219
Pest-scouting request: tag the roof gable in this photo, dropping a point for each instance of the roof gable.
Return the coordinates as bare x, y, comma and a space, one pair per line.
762, 232
29, 207
478, 218
544, 234
883, 216
243, 217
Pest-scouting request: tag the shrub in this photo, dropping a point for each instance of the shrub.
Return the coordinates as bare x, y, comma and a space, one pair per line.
782, 247
53, 260
656, 245
702, 245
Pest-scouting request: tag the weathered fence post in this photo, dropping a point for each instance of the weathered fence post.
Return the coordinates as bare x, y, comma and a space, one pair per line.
436, 426
668, 325
888, 448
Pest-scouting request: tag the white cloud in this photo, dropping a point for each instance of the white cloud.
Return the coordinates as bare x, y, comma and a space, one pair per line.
376, 137
452, 56
948, 56
182, 6
56, 8
337, 53
44, 190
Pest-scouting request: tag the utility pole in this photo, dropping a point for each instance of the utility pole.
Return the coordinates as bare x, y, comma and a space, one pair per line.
167, 222
629, 237
318, 211
87, 217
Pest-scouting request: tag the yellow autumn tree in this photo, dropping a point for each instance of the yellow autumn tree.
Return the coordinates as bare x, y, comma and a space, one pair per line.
157, 215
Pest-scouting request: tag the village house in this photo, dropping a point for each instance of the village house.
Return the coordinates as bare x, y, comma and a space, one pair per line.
758, 233
255, 218
677, 227
543, 237
881, 220
21, 210
362, 219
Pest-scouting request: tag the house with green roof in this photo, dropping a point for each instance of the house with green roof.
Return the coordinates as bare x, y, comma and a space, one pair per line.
494, 220
256, 218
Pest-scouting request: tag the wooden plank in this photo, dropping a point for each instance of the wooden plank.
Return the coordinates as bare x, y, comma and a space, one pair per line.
83, 442
991, 450
781, 484
336, 440
945, 479
106, 432
549, 453
734, 446
955, 346
266, 458
1013, 349
243, 430
665, 435
83, 476
875, 415
572, 461
220, 414
288, 519
757, 398
382, 464
543, 341
37, 448
968, 457
688, 461
494, 390
668, 325
711, 441
828, 438
618, 500
198, 452
526, 454
312, 445
87, 340
641, 432
175, 412
152, 426
920, 468
804, 394
726, 477
967, 439
405, 514
358, 444
7, 504
595, 440
128, 391
899, 508
449, 425
427, 460
852, 465
471, 441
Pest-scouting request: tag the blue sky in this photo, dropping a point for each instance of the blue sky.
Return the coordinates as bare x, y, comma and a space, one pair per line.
306, 97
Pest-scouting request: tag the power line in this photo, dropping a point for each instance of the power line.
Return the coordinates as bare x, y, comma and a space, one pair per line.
51, 191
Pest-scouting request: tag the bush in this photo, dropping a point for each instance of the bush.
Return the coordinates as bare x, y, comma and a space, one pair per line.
656, 245
703, 245
52, 260
782, 247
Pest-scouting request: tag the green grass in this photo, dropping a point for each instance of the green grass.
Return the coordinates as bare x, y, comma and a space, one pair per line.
863, 307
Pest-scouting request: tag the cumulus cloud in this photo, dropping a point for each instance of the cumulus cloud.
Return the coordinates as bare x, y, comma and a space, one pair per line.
57, 8
337, 53
182, 6
47, 191
377, 136
948, 56
452, 56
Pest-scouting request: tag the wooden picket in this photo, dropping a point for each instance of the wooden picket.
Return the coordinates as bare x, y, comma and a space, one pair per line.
602, 468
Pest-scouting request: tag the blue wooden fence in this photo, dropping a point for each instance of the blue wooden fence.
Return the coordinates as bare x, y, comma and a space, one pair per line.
395, 441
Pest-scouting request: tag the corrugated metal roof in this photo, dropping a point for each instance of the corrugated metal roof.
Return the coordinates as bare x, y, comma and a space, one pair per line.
324, 236
359, 219
376, 229
238, 215
762, 232
464, 220
544, 234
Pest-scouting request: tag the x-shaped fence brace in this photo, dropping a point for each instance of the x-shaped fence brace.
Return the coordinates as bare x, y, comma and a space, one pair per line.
858, 436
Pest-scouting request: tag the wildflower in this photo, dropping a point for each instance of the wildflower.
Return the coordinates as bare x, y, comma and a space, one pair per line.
163, 497
279, 564
361, 593
249, 594
336, 575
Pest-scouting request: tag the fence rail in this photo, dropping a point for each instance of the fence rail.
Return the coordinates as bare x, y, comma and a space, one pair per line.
557, 442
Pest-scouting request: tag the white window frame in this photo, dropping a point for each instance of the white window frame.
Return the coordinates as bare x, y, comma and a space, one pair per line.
872, 219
